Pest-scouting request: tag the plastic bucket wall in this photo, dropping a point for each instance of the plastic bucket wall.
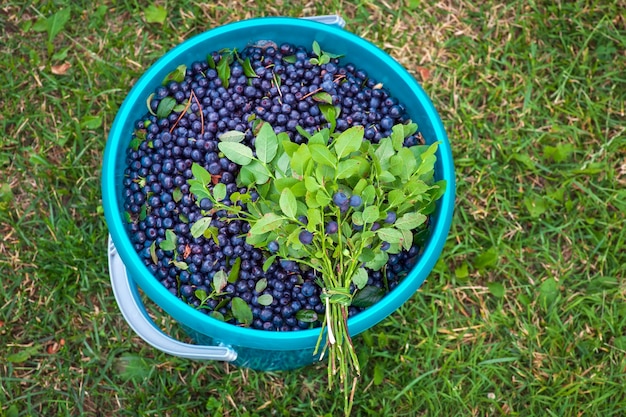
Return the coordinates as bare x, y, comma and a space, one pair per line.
256, 348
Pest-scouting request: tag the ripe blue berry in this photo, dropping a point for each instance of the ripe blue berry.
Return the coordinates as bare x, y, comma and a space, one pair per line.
340, 198
355, 201
332, 227
272, 246
305, 237
391, 217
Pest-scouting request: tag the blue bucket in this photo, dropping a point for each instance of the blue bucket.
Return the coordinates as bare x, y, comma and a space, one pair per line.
216, 340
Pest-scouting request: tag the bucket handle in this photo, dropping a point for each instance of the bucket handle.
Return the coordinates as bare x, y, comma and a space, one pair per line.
330, 19
132, 308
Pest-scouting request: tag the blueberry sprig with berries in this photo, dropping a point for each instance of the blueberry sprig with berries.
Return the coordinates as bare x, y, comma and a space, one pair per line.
337, 204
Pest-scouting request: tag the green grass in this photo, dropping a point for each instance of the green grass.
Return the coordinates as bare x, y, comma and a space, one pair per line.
525, 313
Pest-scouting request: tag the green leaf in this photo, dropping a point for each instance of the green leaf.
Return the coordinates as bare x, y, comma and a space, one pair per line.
316, 48
370, 214
21, 356
486, 259
253, 173
223, 69
248, 70
322, 198
395, 198
153, 254
314, 217
323, 97
360, 277
219, 191
177, 195
266, 143
462, 272
261, 285
288, 203
200, 226
303, 132
165, 107
198, 190
330, 114
211, 233
560, 152
148, 101
12, 411
548, 292
369, 194
496, 289
281, 164
217, 315
348, 168
220, 280
524, 159
232, 136
290, 59
298, 189
267, 223
236, 152
53, 24
265, 299
410, 221
286, 182
211, 61
307, 316
390, 234
379, 374
133, 367
368, 296
407, 239
178, 75
143, 213
169, 244
311, 184
384, 152
155, 14
397, 137
180, 265
300, 159
241, 311
349, 141
268, 263
322, 155
91, 122
536, 205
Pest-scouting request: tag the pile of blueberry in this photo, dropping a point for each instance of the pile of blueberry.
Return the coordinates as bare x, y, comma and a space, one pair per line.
285, 89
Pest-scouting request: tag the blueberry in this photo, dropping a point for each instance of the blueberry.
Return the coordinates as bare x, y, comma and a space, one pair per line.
273, 246
332, 227
391, 217
386, 123
305, 237
385, 246
340, 198
355, 201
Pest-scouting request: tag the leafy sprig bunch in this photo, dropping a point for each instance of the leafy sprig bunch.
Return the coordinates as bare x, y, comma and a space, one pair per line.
338, 204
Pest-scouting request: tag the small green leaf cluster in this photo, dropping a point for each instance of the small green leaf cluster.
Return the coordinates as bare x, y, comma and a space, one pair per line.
323, 57
236, 307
